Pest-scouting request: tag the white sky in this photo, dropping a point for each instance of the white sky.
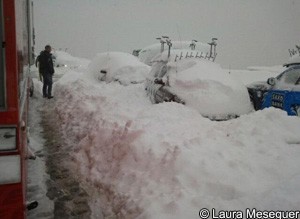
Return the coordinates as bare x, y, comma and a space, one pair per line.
256, 32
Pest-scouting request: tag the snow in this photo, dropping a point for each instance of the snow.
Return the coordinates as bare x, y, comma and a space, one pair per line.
122, 67
166, 160
64, 59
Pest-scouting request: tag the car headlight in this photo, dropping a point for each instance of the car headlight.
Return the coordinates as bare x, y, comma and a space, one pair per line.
296, 109
259, 94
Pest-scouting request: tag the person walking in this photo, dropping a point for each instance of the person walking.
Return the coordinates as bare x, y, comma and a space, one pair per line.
47, 70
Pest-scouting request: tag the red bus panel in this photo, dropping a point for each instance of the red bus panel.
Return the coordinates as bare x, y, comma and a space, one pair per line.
14, 96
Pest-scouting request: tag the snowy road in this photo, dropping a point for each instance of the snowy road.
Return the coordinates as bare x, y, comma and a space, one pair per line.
52, 182
138, 160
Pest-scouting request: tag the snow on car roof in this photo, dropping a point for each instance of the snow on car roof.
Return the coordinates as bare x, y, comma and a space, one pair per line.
148, 53
120, 66
63, 58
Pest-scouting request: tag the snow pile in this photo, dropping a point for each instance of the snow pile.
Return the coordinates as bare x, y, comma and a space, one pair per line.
147, 54
167, 161
64, 59
122, 67
205, 86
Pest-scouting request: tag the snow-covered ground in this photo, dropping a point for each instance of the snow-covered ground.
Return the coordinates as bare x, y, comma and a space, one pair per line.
37, 189
166, 160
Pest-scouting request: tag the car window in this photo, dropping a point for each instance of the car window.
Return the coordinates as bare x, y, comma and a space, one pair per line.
158, 69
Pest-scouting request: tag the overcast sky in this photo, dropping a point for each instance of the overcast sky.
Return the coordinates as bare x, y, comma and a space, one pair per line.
249, 32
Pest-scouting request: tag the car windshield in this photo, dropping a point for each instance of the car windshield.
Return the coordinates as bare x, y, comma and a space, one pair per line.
291, 76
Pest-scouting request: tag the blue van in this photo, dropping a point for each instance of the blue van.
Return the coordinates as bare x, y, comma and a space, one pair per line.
282, 92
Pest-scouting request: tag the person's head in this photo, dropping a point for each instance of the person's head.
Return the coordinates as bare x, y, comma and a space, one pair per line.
48, 48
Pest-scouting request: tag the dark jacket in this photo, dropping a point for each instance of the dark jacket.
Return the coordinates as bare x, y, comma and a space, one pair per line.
37, 61
46, 63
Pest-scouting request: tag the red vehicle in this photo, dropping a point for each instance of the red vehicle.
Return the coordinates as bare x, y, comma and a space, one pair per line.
15, 87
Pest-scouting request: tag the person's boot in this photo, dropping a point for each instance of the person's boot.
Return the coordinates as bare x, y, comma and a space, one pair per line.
50, 97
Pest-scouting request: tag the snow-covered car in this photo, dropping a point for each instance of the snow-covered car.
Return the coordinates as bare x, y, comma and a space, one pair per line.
198, 83
118, 66
64, 59
282, 92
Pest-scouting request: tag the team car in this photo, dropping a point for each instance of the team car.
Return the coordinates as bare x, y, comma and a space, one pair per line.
281, 92
199, 83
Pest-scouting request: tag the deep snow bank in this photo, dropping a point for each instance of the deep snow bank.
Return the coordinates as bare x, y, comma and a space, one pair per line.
169, 160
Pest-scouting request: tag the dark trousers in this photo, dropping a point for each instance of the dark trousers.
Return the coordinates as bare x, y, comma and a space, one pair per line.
47, 86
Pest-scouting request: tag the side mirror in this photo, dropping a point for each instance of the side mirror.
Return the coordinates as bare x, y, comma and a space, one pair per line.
271, 81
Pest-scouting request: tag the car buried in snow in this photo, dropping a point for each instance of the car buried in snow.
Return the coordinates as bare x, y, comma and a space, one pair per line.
186, 77
118, 67
281, 92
